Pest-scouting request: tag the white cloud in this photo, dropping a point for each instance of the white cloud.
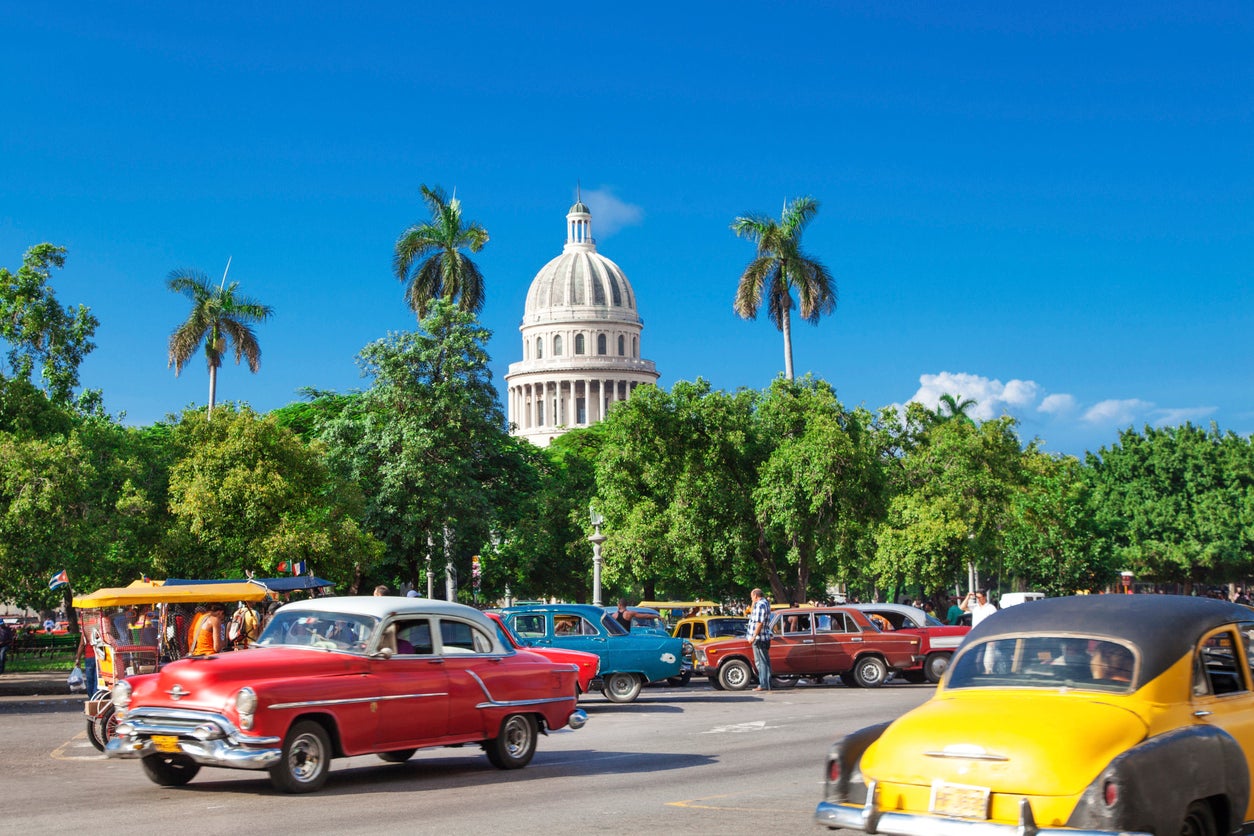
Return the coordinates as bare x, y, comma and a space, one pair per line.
609, 214
992, 397
1117, 412
1176, 417
1058, 405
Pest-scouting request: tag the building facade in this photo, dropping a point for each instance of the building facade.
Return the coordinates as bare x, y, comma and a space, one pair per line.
580, 341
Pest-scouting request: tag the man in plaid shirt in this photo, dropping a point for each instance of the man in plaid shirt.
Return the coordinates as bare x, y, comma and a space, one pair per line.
760, 635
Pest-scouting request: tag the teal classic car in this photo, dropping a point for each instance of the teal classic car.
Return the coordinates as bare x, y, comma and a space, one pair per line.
628, 660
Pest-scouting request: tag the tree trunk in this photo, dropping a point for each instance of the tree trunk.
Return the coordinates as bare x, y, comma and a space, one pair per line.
213, 390
786, 327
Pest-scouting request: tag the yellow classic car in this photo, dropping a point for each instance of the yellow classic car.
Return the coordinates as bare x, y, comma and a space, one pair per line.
1114, 714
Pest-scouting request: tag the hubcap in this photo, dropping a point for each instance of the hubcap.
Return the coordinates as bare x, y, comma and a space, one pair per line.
305, 758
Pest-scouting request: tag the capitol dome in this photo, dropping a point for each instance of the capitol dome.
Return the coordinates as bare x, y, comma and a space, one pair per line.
581, 340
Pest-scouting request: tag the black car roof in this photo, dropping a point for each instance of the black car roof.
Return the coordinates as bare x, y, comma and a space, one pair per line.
1164, 627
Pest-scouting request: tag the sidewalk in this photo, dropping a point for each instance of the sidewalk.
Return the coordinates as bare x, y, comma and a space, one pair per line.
37, 687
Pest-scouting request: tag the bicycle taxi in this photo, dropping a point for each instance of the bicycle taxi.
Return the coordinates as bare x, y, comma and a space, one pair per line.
124, 647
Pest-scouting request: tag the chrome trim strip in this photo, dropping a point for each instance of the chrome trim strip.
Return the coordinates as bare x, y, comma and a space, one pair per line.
492, 702
350, 701
967, 756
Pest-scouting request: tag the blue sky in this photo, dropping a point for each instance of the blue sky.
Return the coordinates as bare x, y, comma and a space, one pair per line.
1048, 208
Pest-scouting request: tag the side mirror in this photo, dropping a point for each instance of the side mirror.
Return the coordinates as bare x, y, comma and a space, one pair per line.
383, 653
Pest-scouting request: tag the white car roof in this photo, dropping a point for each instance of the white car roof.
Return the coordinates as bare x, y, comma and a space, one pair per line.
914, 612
381, 606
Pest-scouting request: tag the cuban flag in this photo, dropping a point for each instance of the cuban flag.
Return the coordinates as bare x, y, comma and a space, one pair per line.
59, 580
298, 567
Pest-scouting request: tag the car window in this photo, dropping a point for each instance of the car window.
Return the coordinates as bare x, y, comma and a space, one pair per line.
794, 623
413, 637
1073, 661
730, 627
1221, 665
327, 631
694, 630
611, 626
459, 637
836, 622
529, 625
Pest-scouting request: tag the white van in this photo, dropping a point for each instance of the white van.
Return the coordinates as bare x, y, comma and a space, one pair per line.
1012, 598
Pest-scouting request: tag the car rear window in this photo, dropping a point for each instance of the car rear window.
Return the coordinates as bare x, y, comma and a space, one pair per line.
1049, 662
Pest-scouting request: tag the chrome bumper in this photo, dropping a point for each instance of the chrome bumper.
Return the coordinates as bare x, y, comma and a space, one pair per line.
578, 719
208, 739
867, 819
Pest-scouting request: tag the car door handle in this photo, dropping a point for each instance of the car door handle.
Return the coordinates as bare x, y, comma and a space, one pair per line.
856, 639
1200, 713
807, 641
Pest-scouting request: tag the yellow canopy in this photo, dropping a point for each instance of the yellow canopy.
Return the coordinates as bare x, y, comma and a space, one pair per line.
153, 592
676, 605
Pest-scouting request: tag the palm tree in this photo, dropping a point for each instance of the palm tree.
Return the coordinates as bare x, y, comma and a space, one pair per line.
779, 267
428, 257
950, 407
219, 316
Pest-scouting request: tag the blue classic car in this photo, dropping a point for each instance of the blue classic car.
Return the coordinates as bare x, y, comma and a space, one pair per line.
628, 660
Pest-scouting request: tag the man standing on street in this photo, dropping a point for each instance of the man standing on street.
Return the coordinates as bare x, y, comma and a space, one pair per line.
760, 635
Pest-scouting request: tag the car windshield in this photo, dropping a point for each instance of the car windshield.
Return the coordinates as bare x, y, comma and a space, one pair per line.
331, 631
650, 621
729, 627
1071, 661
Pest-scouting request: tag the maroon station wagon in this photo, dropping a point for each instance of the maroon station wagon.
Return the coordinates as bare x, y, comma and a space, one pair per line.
811, 643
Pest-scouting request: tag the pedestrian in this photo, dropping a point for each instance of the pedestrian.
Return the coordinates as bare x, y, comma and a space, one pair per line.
86, 654
760, 636
6, 641
954, 615
380, 590
208, 635
980, 608
623, 616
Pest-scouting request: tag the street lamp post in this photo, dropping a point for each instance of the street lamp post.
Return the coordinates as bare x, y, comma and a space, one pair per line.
596, 538
430, 571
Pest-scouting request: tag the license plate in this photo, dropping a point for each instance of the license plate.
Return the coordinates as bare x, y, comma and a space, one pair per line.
166, 743
959, 800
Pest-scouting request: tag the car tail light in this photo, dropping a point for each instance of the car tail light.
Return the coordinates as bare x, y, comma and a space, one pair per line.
1110, 793
833, 770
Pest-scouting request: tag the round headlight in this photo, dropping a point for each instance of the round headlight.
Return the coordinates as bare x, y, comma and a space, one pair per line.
246, 701
122, 694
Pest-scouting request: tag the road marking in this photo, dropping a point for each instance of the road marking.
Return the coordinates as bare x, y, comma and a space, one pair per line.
695, 804
78, 741
738, 728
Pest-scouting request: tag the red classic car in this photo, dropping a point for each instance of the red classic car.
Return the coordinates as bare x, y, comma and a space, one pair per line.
587, 664
938, 641
811, 643
337, 677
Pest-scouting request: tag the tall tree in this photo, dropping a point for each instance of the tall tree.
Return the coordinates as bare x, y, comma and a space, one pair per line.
40, 332
219, 317
781, 266
428, 257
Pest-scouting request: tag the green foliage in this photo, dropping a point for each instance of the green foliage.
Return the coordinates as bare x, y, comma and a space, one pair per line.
1177, 503
427, 445
950, 505
246, 495
39, 332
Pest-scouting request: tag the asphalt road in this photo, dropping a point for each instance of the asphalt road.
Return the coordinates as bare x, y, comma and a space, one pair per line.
677, 761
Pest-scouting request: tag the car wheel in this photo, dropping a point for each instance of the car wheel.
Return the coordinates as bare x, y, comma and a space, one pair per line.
870, 672
680, 680
93, 735
306, 759
735, 675
514, 746
935, 667
170, 770
785, 681
399, 756
1199, 820
622, 687
715, 684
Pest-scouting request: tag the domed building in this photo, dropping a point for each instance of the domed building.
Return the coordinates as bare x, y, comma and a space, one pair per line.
581, 341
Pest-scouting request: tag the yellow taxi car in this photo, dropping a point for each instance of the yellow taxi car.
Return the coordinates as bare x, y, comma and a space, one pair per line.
1114, 714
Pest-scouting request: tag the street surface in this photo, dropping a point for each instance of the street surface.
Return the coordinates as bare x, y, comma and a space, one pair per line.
678, 761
